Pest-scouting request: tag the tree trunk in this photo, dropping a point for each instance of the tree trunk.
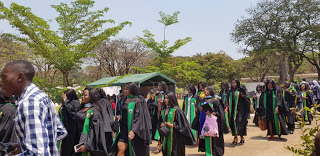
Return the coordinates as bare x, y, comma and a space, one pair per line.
318, 70
65, 79
283, 72
291, 72
68, 84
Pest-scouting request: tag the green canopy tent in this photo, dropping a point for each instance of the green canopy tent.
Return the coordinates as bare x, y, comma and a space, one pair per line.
146, 81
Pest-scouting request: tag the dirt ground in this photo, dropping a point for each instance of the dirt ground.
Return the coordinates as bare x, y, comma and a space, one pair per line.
256, 144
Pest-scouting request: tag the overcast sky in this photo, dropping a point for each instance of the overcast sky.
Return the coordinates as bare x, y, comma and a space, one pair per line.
208, 22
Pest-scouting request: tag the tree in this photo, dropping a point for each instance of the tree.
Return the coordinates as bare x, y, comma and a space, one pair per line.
258, 65
11, 50
182, 70
280, 25
80, 31
116, 57
162, 49
218, 67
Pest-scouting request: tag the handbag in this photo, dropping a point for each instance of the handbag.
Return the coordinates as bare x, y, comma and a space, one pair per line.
196, 122
163, 131
210, 127
262, 123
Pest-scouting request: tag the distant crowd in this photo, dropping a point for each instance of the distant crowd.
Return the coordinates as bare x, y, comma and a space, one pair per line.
100, 125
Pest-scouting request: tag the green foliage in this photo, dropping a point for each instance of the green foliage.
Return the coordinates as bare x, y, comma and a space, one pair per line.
80, 31
183, 72
162, 49
259, 64
289, 26
211, 68
52, 90
218, 67
308, 133
169, 19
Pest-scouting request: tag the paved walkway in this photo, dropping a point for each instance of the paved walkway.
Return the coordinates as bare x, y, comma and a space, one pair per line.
256, 144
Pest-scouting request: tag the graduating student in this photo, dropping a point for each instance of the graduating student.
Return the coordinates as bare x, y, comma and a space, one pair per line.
200, 93
305, 98
67, 111
108, 117
224, 94
179, 128
92, 134
290, 97
133, 138
239, 110
152, 108
7, 115
207, 144
163, 89
256, 98
190, 106
273, 110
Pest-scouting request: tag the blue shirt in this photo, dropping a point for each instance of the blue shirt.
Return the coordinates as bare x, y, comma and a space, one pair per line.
37, 125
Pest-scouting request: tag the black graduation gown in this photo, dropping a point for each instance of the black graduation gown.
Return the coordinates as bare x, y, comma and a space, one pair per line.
7, 125
256, 115
152, 107
309, 103
155, 119
108, 118
242, 113
282, 110
289, 98
197, 97
217, 142
95, 141
141, 127
182, 134
224, 97
67, 114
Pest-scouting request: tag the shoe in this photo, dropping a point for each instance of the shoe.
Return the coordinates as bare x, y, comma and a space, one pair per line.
158, 150
235, 141
241, 142
271, 138
291, 132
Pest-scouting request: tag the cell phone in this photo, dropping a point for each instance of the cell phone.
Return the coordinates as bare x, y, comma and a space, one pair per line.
77, 146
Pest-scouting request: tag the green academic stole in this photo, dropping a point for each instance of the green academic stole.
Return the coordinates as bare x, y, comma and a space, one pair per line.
192, 113
304, 106
274, 104
157, 135
86, 128
236, 100
130, 115
208, 142
225, 113
167, 143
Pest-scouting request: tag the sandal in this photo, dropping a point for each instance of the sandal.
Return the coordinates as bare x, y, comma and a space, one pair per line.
158, 150
241, 141
235, 141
